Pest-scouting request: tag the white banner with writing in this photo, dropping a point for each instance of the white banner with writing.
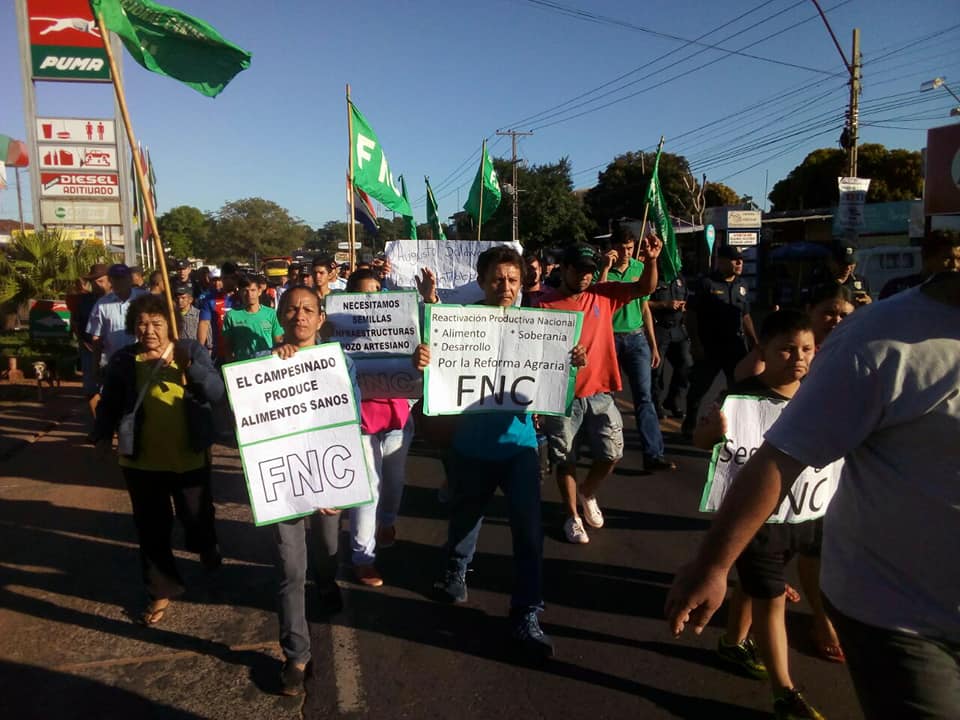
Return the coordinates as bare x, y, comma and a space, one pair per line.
454, 262
492, 359
748, 418
298, 430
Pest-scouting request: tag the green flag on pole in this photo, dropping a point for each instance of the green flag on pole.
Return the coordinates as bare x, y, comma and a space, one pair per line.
660, 219
433, 214
409, 224
172, 43
371, 172
485, 191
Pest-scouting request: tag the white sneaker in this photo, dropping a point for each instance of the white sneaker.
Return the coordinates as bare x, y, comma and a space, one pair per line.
591, 511
574, 531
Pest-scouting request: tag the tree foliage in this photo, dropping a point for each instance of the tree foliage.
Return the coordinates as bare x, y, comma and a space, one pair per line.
253, 227
184, 230
621, 188
717, 195
894, 175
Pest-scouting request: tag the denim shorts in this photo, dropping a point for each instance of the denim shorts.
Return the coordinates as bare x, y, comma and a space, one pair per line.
599, 417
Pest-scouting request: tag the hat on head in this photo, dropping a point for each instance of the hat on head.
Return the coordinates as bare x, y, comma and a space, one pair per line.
843, 253
214, 272
136, 269
183, 289
730, 252
582, 256
183, 264
97, 271
119, 270
228, 268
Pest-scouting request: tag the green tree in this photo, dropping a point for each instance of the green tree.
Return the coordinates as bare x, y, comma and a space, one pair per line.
622, 187
718, 195
184, 229
254, 228
894, 175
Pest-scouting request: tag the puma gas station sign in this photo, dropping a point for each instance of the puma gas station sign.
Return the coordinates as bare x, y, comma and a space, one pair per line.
79, 212
77, 157
65, 42
76, 130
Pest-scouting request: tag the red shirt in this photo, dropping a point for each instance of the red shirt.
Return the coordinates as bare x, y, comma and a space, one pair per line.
598, 303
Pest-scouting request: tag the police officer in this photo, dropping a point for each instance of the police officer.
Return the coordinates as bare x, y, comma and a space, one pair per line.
718, 319
839, 269
669, 305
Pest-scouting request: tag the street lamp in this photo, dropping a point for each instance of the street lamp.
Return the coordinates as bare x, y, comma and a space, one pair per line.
939, 82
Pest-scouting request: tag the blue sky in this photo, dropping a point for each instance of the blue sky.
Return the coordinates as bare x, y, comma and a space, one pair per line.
435, 77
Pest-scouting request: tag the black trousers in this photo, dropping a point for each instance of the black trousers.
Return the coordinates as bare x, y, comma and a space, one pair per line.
677, 353
719, 357
151, 493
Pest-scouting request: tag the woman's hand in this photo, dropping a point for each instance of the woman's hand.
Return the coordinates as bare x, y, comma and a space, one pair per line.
578, 356
427, 286
421, 357
328, 511
285, 351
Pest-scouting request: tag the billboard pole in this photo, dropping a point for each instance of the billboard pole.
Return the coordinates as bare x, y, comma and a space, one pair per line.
123, 163
29, 108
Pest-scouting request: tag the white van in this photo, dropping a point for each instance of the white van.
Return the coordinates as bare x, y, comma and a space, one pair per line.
881, 264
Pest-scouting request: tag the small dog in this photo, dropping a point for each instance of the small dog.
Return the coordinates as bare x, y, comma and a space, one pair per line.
42, 372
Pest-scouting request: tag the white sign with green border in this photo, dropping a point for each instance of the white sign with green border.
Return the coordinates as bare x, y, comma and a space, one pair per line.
298, 430
495, 359
379, 331
748, 419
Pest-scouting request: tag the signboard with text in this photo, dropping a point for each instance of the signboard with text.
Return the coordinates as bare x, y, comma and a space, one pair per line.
82, 185
65, 42
76, 130
78, 157
742, 239
494, 359
853, 196
79, 212
298, 431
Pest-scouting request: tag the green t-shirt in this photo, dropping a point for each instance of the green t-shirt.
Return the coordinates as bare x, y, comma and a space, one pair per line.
251, 333
630, 316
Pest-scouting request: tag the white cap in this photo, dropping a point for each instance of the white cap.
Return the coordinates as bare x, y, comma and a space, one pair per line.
215, 272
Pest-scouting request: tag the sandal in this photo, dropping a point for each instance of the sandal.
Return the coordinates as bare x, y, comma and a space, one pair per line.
791, 593
154, 612
831, 653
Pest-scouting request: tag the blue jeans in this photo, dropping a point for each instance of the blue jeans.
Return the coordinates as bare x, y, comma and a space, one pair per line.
472, 484
634, 356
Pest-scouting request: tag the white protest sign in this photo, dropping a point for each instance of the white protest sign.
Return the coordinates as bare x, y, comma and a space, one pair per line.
453, 261
853, 196
748, 418
298, 430
379, 331
493, 359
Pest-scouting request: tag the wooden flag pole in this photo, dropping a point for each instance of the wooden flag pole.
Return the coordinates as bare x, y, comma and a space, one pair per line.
140, 175
483, 157
646, 204
351, 226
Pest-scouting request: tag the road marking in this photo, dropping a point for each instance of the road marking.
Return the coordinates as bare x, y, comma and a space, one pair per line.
346, 663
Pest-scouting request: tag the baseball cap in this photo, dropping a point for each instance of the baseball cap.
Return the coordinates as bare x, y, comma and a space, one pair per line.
119, 270
730, 252
183, 264
582, 256
183, 289
844, 253
136, 269
97, 271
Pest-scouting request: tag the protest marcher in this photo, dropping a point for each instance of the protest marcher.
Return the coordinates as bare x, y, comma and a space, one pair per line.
387, 427
215, 307
302, 316
532, 279
636, 345
345, 271
669, 304
293, 279
787, 348
170, 389
719, 322
189, 315
107, 326
251, 328
136, 277
99, 284
201, 285
497, 450
268, 296
882, 395
182, 271
322, 273
594, 409
156, 282
839, 268
939, 252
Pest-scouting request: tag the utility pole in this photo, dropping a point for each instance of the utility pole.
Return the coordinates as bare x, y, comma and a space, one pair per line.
854, 102
515, 234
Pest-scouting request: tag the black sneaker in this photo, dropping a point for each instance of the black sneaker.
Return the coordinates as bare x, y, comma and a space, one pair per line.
529, 636
330, 600
791, 705
291, 678
452, 588
657, 464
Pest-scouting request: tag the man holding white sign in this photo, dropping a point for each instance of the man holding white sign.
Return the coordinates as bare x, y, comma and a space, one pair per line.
498, 449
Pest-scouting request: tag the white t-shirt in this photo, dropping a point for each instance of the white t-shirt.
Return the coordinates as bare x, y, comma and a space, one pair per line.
884, 394
108, 321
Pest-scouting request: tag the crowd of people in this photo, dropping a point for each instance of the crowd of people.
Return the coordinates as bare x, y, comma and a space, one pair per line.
879, 393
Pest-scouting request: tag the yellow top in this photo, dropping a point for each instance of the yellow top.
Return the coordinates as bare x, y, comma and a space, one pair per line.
164, 438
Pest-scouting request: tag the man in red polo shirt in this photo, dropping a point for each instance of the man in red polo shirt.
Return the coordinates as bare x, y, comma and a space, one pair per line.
593, 407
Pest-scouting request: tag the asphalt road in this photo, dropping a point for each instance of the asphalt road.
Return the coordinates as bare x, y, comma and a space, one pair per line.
69, 586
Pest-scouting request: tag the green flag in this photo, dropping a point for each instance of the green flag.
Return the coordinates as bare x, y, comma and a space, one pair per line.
172, 43
433, 214
486, 183
409, 224
660, 219
371, 172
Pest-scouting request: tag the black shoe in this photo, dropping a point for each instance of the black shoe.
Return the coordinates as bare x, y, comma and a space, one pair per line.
687, 428
329, 600
211, 559
291, 678
652, 464
452, 588
529, 636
